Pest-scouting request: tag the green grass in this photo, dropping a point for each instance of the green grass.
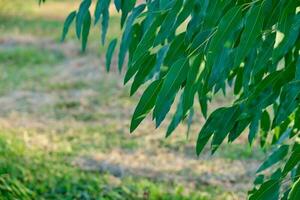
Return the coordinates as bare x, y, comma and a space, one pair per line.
26, 56
27, 173
22, 67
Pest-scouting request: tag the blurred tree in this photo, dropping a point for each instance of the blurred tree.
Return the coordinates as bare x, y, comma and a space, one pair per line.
191, 48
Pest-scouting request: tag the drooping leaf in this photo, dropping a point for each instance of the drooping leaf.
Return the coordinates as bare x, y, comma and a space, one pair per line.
100, 7
288, 41
209, 128
295, 191
118, 4
293, 160
126, 7
145, 104
191, 84
109, 53
288, 103
172, 82
142, 74
168, 23
160, 115
105, 21
127, 33
81, 16
222, 129
176, 118
86, 30
269, 190
252, 30
67, 24
148, 38
274, 158
134, 67
228, 24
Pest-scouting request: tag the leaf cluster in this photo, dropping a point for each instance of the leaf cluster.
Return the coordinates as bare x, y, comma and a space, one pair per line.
196, 48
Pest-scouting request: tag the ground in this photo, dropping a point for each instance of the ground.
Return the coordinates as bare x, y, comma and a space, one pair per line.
64, 124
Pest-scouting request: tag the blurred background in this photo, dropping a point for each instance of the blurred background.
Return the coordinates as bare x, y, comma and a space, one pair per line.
64, 123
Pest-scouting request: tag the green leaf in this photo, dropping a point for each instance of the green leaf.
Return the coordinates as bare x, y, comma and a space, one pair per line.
227, 122
221, 68
176, 49
145, 104
208, 129
269, 190
264, 55
126, 7
100, 6
148, 38
297, 74
67, 24
238, 81
191, 84
176, 118
254, 127
213, 13
161, 114
203, 105
81, 16
274, 158
293, 160
265, 125
173, 80
251, 31
118, 4
168, 23
104, 23
288, 41
127, 34
185, 12
109, 53
199, 42
134, 67
228, 24
295, 191
288, 103
297, 119
239, 127
286, 18
161, 54
142, 74
86, 30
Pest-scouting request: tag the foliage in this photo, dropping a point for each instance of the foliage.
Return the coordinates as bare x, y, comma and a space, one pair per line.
198, 48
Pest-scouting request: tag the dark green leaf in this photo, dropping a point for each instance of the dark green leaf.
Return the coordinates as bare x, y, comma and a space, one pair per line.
274, 158
81, 16
142, 74
295, 191
172, 82
228, 24
86, 30
127, 33
145, 104
269, 190
252, 30
109, 53
67, 24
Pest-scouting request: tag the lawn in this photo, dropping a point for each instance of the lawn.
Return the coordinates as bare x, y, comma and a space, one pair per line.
64, 124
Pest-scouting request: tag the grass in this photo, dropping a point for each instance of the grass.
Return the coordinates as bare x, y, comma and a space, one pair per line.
25, 64
58, 105
25, 174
